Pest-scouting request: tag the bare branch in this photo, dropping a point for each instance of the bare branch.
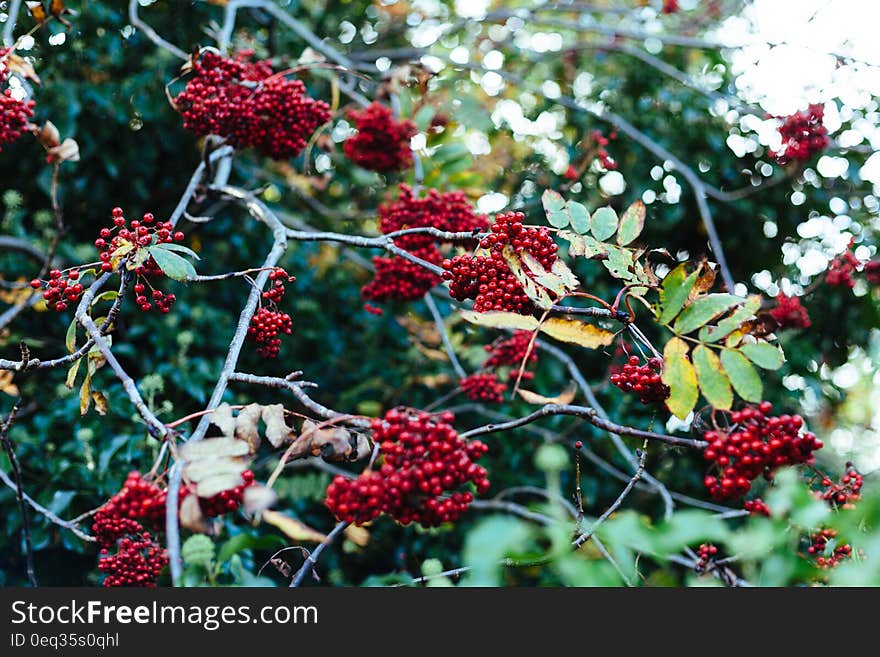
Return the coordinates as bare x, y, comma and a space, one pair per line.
311, 560
444, 335
150, 33
16, 472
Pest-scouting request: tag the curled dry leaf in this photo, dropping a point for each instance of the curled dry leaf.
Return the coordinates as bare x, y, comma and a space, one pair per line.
37, 11
213, 448
191, 516
206, 468
246, 426
47, 135
293, 528
215, 464
100, 401
66, 151
6, 384
256, 499
330, 443
223, 420
564, 397
22, 67
277, 431
211, 486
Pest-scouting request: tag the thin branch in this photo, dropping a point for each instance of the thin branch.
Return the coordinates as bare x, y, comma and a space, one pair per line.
16, 472
11, 19
444, 335
312, 560
150, 33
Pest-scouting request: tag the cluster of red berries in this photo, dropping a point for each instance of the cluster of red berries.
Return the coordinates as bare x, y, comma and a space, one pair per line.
706, 554
60, 292
819, 544
266, 325
510, 352
381, 142
757, 507
643, 380
601, 141
789, 313
803, 135
278, 277
841, 270
14, 113
487, 279
398, 278
844, 492
129, 555
223, 502
424, 461
755, 444
670, 7
484, 387
249, 105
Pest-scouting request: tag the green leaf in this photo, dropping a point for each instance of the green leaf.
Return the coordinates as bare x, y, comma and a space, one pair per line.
742, 375
679, 375
172, 265
619, 262
71, 374
583, 245
631, 223
536, 293
70, 337
560, 284
731, 323
109, 295
501, 320
764, 355
554, 207
712, 379
603, 223
580, 217
704, 310
674, 292
179, 248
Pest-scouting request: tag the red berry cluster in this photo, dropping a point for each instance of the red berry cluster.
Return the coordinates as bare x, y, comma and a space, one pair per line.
381, 142
223, 502
803, 135
755, 444
706, 553
484, 387
789, 313
644, 380
818, 545
136, 558
510, 352
841, 270
670, 7
398, 278
872, 272
265, 327
249, 105
601, 141
844, 492
278, 277
571, 173
757, 507
60, 292
487, 279
14, 113
424, 459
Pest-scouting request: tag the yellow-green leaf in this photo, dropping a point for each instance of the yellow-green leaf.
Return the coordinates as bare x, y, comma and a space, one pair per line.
733, 322
764, 355
713, 381
535, 292
71, 374
674, 293
603, 223
631, 223
293, 528
742, 375
679, 375
70, 337
704, 310
580, 218
501, 320
554, 208
577, 332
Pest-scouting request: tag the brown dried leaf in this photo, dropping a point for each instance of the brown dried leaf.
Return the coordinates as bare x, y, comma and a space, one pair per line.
705, 280
212, 448
247, 426
47, 135
212, 485
277, 431
293, 528
258, 498
191, 516
37, 11
22, 67
100, 402
66, 151
197, 471
223, 420
564, 397
357, 535
6, 384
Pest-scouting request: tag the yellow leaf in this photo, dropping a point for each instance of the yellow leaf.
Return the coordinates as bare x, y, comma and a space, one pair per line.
6, 384
100, 402
577, 332
293, 528
357, 535
564, 397
502, 320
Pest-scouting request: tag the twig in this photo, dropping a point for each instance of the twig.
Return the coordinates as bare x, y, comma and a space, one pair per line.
16, 472
311, 560
150, 33
444, 334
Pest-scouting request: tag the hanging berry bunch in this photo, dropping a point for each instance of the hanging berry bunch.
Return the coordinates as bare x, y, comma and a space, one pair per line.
756, 444
706, 554
643, 380
819, 546
803, 135
845, 492
842, 269
129, 554
382, 142
249, 105
268, 323
398, 278
14, 114
425, 463
789, 313
757, 507
487, 279
601, 141
483, 387
511, 352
